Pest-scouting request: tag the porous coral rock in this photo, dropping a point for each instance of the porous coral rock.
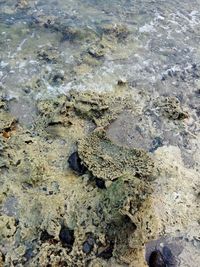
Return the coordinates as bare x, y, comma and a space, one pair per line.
108, 161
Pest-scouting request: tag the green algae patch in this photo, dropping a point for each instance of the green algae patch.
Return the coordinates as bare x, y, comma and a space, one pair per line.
108, 161
124, 194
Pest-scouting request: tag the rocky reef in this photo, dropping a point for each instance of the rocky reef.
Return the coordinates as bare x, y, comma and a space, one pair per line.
93, 217
99, 133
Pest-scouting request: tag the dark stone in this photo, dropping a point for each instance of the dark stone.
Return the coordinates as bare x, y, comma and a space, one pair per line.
57, 79
66, 236
197, 93
194, 66
3, 257
45, 236
100, 183
156, 143
107, 253
163, 78
170, 73
76, 164
156, 259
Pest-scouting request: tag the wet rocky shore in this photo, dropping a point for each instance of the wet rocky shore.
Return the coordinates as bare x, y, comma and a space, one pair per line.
99, 133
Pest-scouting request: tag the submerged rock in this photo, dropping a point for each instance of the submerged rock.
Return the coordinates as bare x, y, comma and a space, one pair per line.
97, 51
101, 108
48, 54
171, 108
118, 31
22, 4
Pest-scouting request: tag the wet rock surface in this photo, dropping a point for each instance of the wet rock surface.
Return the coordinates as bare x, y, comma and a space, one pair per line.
120, 81
114, 196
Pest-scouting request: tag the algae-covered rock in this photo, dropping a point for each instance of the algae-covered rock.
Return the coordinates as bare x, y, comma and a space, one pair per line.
109, 161
31, 171
48, 54
7, 127
123, 197
88, 105
118, 31
7, 227
73, 33
97, 50
111, 217
49, 107
22, 4
101, 108
171, 108
146, 221
38, 169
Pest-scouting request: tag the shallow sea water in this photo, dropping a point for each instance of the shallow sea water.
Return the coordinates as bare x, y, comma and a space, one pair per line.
149, 49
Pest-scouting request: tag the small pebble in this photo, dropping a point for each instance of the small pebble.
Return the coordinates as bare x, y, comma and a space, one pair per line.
100, 183
66, 236
87, 248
